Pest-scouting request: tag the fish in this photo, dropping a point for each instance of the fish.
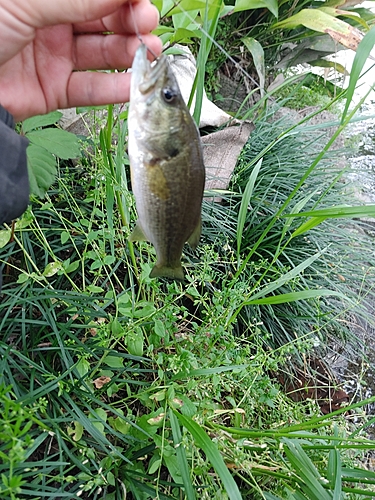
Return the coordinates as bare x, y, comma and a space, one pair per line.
166, 164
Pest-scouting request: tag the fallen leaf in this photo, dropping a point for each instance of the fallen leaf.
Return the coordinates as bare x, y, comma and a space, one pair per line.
99, 382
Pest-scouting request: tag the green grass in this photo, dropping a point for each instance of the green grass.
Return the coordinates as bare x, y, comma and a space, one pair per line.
114, 385
114, 382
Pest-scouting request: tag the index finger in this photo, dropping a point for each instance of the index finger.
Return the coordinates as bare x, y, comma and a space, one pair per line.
139, 17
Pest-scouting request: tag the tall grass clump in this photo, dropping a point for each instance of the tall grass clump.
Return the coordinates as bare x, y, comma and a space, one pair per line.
341, 250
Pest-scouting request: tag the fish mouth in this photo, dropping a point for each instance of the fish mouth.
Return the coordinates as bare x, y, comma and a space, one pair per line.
144, 75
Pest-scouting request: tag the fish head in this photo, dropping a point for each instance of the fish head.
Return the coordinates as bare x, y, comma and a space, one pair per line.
155, 97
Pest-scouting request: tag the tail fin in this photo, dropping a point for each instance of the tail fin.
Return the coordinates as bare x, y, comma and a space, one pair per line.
175, 273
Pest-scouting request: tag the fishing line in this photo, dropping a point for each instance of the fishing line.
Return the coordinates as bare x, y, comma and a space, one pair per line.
212, 40
138, 35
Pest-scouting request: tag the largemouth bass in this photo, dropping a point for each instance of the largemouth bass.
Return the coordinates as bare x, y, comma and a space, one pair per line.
166, 162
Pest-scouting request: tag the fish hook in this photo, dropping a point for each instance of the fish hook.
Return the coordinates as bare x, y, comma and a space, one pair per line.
139, 36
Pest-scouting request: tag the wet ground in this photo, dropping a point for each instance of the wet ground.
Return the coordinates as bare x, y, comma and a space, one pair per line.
356, 368
364, 159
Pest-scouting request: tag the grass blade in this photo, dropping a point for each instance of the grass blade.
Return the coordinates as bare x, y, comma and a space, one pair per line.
204, 442
334, 473
338, 212
245, 203
293, 296
181, 457
362, 53
211, 19
286, 277
306, 470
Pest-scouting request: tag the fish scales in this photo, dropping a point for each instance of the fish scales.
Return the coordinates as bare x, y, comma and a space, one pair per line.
166, 161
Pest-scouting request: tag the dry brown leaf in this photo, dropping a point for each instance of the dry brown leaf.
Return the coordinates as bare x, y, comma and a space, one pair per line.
350, 40
101, 381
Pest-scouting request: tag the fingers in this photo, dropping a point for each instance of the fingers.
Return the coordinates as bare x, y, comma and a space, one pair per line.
39, 13
141, 17
109, 51
96, 89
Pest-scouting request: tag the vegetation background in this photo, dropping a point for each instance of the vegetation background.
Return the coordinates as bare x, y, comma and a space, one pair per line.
114, 385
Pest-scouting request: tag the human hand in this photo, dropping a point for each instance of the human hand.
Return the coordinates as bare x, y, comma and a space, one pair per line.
46, 49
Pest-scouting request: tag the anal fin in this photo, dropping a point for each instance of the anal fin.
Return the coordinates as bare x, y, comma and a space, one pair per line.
137, 234
195, 235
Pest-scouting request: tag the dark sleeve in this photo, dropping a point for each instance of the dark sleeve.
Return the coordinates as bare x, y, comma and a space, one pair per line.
14, 181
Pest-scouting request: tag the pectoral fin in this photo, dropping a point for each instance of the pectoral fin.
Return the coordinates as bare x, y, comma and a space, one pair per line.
196, 234
137, 234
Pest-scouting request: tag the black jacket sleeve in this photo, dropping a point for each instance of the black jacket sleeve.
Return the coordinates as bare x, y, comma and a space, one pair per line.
14, 181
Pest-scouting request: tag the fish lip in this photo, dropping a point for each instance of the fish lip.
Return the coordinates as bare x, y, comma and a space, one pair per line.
145, 76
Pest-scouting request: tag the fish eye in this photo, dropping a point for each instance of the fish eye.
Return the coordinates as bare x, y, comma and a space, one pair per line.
168, 94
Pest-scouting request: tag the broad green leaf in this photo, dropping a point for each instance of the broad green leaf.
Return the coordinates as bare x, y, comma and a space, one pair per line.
72, 266
94, 289
52, 268
346, 13
158, 4
25, 220
42, 169
161, 30
159, 328
154, 466
109, 260
183, 33
40, 121
144, 309
183, 20
203, 441
135, 341
121, 425
116, 327
271, 5
192, 5
166, 7
257, 53
317, 20
124, 299
64, 236
61, 143
114, 361
111, 479
78, 431
22, 277
82, 367
174, 469
5, 237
